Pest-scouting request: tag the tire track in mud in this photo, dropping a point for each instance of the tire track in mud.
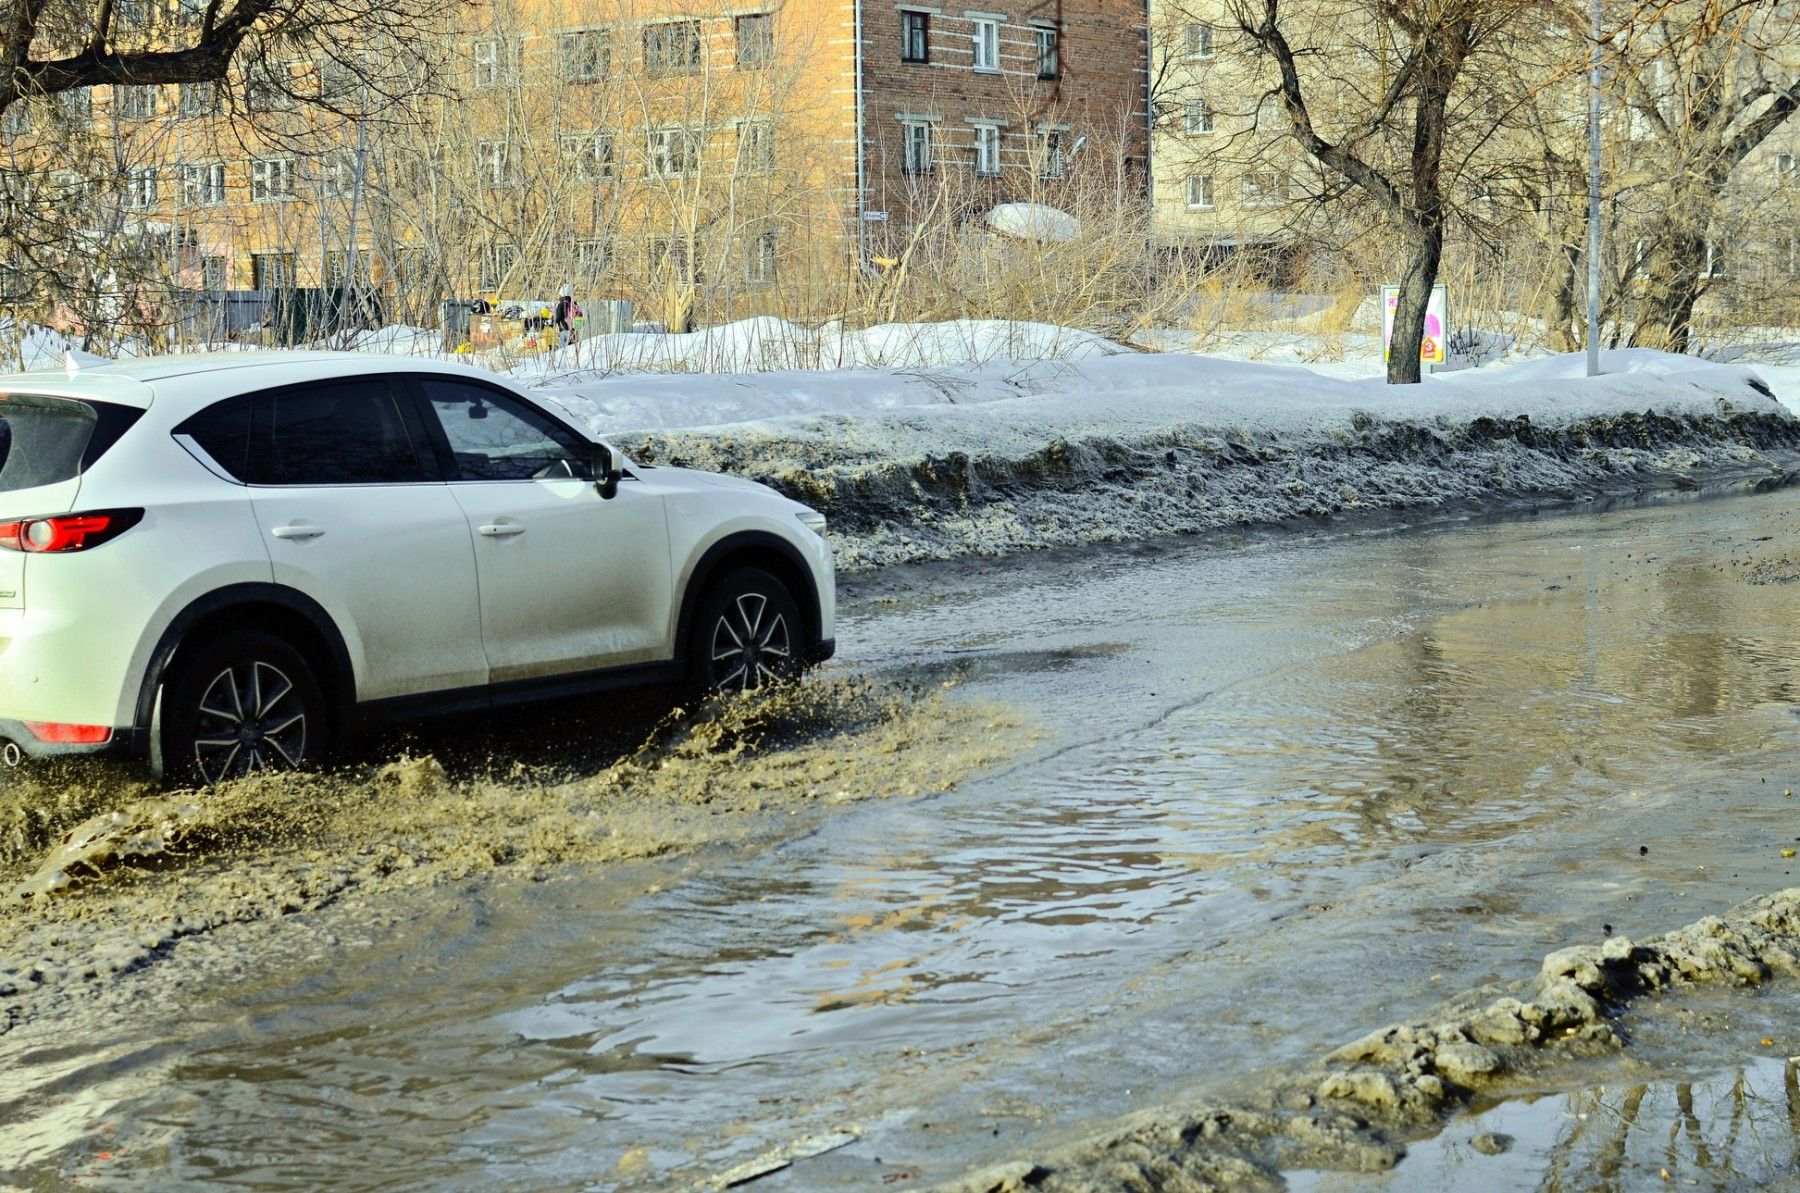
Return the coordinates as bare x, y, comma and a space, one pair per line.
1356, 1109
119, 891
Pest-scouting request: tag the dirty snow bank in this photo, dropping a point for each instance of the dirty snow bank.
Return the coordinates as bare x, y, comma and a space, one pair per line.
1356, 1108
937, 464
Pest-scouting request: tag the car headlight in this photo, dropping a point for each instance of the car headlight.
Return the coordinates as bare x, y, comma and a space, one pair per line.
813, 520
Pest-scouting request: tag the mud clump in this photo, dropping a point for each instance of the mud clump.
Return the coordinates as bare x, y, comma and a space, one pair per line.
122, 888
1356, 1109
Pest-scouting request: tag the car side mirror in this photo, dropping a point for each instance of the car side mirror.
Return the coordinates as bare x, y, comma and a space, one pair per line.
606, 472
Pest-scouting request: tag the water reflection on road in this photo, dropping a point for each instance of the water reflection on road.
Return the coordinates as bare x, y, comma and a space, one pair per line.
1282, 792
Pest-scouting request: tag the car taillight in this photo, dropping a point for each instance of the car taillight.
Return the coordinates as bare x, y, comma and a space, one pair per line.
58, 533
58, 734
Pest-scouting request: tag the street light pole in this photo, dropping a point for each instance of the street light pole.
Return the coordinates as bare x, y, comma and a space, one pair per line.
1593, 248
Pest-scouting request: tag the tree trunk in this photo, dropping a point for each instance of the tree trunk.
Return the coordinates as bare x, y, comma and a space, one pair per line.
1559, 298
1673, 285
1403, 366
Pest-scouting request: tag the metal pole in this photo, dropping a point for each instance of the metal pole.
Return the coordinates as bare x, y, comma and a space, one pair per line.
1593, 213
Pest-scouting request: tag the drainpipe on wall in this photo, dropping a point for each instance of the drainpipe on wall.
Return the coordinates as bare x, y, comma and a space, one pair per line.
862, 198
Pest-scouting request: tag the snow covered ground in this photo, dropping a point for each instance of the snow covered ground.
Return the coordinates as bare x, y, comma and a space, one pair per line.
980, 437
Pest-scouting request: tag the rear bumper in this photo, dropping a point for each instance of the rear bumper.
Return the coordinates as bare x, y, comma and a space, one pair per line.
124, 743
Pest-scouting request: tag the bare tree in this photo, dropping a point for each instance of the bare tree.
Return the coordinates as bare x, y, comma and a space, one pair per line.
1425, 47
1705, 83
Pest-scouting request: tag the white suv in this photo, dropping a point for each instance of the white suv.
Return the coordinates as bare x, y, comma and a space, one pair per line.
225, 563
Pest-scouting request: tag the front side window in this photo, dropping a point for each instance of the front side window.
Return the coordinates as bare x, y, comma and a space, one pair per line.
494, 437
915, 37
339, 433
987, 44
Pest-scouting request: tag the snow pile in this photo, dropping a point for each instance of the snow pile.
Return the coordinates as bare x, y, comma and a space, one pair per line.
1114, 448
1033, 221
398, 339
770, 344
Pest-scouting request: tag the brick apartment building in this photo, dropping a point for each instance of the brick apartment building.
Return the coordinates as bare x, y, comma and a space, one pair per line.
686, 159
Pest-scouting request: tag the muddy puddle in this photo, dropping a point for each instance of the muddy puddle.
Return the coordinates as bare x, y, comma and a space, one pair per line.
102, 874
1195, 815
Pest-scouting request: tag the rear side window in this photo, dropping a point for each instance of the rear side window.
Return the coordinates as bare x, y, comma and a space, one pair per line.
223, 433
45, 440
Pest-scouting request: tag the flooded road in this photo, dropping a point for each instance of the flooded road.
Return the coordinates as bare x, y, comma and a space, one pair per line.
1243, 802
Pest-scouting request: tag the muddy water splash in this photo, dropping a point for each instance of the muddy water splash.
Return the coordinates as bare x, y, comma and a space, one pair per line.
148, 871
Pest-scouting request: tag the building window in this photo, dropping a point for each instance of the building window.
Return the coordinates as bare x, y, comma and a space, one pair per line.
1264, 188
755, 39
987, 150
1715, 261
593, 257
673, 151
917, 147
337, 175
215, 273
1784, 168
672, 47
756, 146
203, 184
140, 188
759, 259
1199, 192
492, 63
586, 55
134, 103
271, 179
337, 266
77, 106
1197, 40
590, 155
199, 99
272, 271
1050, 154
986, 37
1049, 65
1198, 116
915, 37
495, 164
266, 88
1790, 254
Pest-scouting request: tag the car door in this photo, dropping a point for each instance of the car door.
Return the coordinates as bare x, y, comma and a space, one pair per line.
349, 501
570, 581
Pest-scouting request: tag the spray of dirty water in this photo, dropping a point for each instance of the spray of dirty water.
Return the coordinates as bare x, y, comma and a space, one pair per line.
137, 872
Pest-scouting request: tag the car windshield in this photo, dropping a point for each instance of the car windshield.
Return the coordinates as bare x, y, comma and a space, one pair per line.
46, 440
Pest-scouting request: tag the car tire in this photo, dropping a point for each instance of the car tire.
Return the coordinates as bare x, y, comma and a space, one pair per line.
747, 634
245, 702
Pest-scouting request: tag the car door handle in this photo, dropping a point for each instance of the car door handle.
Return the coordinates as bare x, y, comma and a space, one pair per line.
501, 530
297, 532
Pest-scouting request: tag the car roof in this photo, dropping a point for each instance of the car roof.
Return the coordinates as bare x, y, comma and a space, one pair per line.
138, 382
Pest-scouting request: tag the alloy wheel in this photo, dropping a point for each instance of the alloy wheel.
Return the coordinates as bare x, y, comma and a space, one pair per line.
751, 647
251, 718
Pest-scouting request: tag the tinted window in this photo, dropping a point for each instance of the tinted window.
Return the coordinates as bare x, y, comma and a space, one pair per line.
495, 438
223, 433
343, 433
45, 440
